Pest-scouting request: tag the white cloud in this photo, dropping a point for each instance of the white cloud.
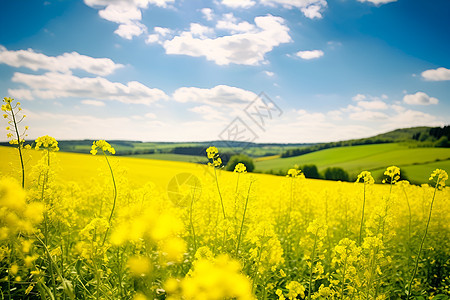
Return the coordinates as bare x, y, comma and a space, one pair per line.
270, 74
53, 85
210, 113
200, 31
128, 31
312, 11
247, 48
238, 3
310, 8
127, 13
420, 98
368, 115
208, 13
22, 94
439, 74
93, 102
160, 33
231, 24
310, 54
359, 97
62, 63
217, 96
378, 2
373, 105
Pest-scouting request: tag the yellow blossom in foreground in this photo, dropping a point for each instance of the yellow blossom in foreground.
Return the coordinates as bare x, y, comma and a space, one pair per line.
440, 176
102, 145
139, 266
240, 168
366, 177
217, 279
393, 173
295, 289
15, 214
47, 142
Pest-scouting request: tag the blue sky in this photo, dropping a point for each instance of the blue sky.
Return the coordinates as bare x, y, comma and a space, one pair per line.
170, 70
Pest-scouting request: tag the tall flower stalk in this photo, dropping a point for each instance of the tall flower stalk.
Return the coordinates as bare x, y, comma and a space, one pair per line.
440, 176
367, 179
216, 162
106, 147
14, 119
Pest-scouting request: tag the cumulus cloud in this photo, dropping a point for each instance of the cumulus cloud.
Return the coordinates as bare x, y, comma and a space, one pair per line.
378, 2
373, 105
310, 8
62, 63
368, 115
246, 48
208, 13
269, 73
439, 74
420, 98
309, 54
359, 97
53, 85
231, 24
127, 13
238, 3
217, 96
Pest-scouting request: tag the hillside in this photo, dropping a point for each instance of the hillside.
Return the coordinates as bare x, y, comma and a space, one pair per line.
375, 158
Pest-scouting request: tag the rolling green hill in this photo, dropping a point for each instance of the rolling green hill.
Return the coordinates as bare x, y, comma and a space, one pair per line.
416, 162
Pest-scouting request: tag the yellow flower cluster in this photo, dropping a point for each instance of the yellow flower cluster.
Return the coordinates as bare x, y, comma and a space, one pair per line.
13, 117
16, 215
240, 168
47, 143
102, 145
366, 177
393, 174
215, 279
295, 289
440, 176
213, 156
294, 173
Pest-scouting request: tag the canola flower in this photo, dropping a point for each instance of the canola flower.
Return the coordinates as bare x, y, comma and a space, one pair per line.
106, 147
367, 178
16, 136
215, 279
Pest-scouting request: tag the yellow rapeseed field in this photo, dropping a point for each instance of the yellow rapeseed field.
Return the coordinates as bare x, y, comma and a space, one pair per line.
96, 226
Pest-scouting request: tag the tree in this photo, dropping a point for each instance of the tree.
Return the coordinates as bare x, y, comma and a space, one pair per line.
241, 158
442, 142
311, 171
336, 174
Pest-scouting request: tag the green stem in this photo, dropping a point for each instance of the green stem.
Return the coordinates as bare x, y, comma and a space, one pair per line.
416, 265
19, 147
220, 195
115, 197
343, 275
408, 246
191, 221
362, 216
312, 265
243, 219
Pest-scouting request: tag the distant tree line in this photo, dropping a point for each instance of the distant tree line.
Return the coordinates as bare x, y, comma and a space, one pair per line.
435, 137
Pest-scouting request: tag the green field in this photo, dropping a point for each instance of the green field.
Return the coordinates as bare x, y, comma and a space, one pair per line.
415, 161
172, 157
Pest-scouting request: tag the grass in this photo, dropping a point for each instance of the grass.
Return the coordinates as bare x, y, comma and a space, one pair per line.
171, 157
355, 159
